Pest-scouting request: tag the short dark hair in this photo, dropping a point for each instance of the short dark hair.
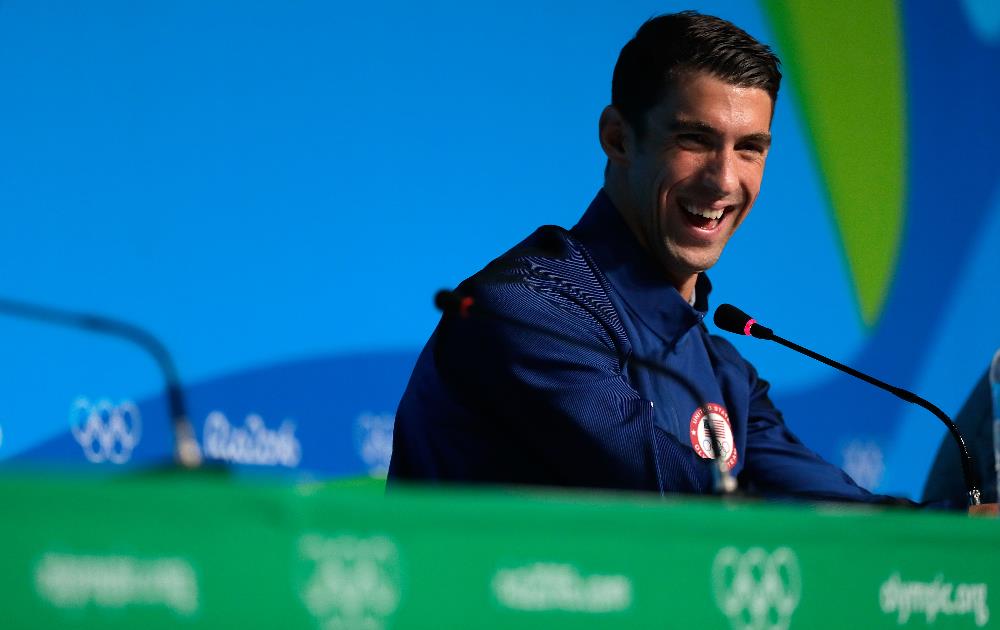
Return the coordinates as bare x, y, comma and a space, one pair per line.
668, 46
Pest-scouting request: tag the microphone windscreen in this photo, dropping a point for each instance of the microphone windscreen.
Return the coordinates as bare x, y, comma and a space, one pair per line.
731, 319
447, 301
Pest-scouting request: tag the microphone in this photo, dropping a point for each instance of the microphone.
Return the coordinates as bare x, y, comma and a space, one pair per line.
453, 303
731, 319
187, 453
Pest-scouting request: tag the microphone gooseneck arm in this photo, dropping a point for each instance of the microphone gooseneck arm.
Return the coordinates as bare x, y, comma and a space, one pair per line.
732, 319
186, 450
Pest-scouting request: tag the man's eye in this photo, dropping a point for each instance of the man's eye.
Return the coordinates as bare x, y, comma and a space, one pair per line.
751, 148
692, 140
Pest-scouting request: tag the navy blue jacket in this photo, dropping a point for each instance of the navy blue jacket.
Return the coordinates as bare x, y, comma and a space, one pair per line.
547, 390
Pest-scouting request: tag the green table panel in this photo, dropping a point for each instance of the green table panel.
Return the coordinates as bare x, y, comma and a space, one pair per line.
204, 551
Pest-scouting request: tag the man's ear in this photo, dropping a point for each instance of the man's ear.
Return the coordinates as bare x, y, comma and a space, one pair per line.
615, 135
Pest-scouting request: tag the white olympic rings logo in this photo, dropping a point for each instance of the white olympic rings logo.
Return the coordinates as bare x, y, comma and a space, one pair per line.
757, 590
106, 432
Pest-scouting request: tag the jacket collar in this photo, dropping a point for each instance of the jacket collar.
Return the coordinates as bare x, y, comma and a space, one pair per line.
635, 275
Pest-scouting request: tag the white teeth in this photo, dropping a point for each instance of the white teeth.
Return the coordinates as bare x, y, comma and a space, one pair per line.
703, 212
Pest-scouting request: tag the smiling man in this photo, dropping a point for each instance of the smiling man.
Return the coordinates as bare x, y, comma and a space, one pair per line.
584, 361
685, 174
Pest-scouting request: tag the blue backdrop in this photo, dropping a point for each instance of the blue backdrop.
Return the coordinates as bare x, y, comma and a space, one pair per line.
277, 190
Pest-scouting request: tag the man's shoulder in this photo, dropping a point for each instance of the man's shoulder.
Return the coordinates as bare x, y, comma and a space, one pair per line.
550, 273
727, 354
550, 246
724, 348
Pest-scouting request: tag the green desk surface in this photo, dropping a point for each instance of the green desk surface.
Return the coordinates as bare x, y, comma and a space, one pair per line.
202, 551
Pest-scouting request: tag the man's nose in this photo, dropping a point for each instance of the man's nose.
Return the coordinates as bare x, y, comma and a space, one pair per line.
720, 173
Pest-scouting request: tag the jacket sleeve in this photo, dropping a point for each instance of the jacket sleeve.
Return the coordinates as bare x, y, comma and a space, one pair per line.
778, 464
535, 375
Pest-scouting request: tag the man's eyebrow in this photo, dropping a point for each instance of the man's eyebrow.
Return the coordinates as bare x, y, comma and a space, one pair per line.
761, 137
691, 125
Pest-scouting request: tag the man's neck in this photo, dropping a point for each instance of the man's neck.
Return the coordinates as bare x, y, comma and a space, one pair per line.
686, 289
684, 286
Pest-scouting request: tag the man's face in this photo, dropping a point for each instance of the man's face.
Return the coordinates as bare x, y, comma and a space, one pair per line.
696, 171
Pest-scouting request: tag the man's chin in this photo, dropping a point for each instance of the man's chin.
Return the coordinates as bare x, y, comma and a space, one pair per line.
687, 264
680, 273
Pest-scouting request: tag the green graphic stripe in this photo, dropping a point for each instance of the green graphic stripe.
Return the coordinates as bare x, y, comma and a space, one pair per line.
844, 60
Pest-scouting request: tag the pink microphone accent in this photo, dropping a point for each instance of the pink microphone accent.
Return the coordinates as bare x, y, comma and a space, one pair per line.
746, 329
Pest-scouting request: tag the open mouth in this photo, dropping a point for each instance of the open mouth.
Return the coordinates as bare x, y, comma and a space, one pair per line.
704, 218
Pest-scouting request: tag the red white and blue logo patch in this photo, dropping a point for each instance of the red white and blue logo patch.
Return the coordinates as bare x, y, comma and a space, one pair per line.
701, 439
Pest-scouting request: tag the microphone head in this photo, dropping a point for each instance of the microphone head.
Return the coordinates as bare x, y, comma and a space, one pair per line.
731, 319
452, 302
447, 301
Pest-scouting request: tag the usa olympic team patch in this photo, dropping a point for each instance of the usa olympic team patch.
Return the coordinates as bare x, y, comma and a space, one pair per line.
701, 439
